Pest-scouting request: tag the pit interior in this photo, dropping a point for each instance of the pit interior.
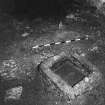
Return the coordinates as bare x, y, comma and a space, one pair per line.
68, 71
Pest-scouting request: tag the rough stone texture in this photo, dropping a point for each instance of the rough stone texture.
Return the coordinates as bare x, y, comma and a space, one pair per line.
99, 4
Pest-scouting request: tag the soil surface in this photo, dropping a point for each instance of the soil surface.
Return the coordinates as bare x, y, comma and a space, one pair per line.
19, 64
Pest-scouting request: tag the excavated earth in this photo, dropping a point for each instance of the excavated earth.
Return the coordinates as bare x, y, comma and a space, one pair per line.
24, 81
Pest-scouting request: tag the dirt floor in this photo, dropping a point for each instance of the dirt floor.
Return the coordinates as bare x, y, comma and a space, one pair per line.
20, 64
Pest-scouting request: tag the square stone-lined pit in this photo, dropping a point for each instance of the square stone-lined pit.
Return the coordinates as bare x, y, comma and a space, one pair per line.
55, 68
67, 71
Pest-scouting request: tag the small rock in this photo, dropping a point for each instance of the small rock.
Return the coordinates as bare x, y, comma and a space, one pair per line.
25, 34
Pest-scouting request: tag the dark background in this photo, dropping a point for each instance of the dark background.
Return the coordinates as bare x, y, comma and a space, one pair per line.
34, 8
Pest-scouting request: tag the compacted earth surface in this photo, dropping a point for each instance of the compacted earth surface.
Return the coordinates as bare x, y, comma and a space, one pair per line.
26, 45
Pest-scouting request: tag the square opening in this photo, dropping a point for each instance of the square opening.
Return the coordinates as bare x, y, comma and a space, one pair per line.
68, 71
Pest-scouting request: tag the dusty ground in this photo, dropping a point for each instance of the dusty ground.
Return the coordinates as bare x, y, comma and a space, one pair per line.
19, 63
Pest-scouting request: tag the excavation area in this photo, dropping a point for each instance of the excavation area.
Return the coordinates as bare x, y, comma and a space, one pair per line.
27, 24
68, 72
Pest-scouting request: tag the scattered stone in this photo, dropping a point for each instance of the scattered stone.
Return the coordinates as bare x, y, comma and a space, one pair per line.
14, 93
